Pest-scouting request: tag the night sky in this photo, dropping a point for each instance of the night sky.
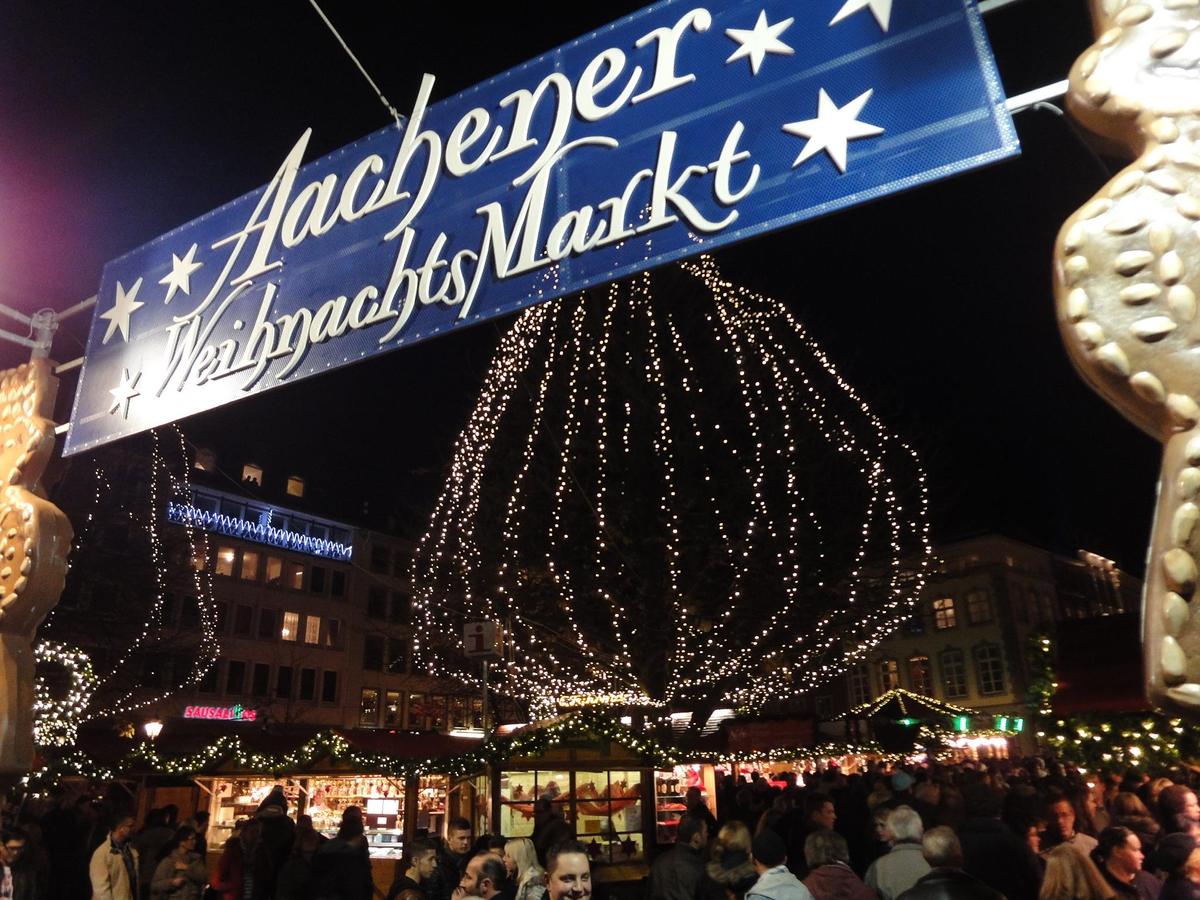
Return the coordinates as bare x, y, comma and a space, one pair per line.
121, 121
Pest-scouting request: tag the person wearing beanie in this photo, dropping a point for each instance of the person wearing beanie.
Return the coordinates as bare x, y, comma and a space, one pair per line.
1178, 859
774, 882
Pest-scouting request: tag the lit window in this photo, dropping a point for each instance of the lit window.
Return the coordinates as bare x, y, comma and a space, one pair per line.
416, 712
920, 675
979, 607
249, 565
368, 708
295, 575
252, 474
312, 630
206, 460
391, 709
954, 673
225, 558
943, 613
989, 665
274, 571
889, 674
860, 684
291, 626
295, 486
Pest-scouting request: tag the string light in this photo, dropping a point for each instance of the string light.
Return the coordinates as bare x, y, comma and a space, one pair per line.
676, 477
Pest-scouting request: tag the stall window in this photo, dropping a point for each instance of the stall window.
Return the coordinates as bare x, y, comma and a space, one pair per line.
235, 677
266, 624
920, 675
329, 687
242, 620
274, 571
291, 626
391, 709
954, 673
368, 707
260, 680
225, 558
249, 571
283, 683
944, 615
989, 666
889, 674
308, 684
312, 630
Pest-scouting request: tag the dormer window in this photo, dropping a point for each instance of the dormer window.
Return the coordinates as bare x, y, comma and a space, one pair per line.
206, 460
252, 474
295, 486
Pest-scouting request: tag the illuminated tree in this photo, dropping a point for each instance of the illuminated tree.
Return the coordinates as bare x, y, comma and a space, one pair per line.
667, 493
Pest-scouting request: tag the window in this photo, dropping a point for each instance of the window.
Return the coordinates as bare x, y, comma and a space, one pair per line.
373, 653
199, 559
235, 677
436, 711
283, 683
416, 712
293, 575
260, 680
222, 614
189, 612
266, 624
316, 579
295, 486
225, 557
208, 684
920, 674
242, 619
989, 666
477, 713
376, 603
860, 684
889, 675
291, 626
979, 607
312, 630
274, 571
308, 684
458, 712
399, 610
333, 632
329, 687
252, 474
380, 558
337, 583
943, 613
954, 673
206, 460
368, 707
395, 656
249, 565
391, 709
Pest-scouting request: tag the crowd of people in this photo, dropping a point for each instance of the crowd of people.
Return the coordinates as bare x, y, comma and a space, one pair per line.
1021, 831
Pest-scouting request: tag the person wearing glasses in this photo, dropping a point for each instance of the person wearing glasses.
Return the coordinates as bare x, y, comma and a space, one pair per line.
17, 882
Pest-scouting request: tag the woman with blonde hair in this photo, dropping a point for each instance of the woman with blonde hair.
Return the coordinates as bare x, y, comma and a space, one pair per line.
730, 871
520, 858
1072, 876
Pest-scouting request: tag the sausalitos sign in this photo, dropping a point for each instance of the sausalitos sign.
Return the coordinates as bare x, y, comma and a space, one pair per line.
677, 129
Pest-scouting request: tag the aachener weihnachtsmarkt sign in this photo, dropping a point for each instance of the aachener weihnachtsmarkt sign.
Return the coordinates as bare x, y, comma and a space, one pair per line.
675, 130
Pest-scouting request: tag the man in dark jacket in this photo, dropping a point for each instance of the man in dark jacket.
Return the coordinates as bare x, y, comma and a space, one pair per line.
1118, 855
17, 880
679, 873
946, 879
452, 859
993, 853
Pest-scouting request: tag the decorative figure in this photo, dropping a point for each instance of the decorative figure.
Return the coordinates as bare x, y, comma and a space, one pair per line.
35, 537
1127, 270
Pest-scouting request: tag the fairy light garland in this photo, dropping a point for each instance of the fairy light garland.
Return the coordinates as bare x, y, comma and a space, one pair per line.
571, 389
871, 707
56, 720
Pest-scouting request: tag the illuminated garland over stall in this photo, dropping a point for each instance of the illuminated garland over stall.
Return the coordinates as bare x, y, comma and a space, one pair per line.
670, 494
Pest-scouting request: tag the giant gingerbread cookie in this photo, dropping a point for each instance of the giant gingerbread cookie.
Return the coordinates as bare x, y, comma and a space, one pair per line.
1127, 275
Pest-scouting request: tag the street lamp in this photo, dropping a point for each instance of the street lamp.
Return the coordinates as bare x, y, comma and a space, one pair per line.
153, 728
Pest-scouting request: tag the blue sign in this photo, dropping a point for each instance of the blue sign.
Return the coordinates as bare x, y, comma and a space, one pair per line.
670, 132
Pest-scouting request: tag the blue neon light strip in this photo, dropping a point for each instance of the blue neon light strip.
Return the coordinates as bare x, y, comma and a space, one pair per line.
186, 514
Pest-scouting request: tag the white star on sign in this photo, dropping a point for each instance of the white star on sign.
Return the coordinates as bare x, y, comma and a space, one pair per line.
124, 307
179, 278
881, 8
833, 128
755, 43
124, 392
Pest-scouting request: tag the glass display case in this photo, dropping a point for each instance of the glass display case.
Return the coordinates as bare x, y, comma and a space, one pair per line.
670, 797
238, 798
381, 800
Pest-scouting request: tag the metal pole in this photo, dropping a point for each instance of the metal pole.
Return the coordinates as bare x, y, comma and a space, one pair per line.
1037, 95
18, 339
14, 314
486, 729
78, 307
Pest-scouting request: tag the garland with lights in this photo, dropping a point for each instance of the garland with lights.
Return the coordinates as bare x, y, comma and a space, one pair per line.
900, 695
667, 491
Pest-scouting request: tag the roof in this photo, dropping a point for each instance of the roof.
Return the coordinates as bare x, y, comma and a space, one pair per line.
899, 703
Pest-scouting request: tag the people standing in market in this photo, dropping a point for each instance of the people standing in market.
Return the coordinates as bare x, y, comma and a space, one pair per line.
17, 881
775, 881
484, 877
1178, 857
1119, 857
113, 869
729, 872
274, 843
946, 877
149, 842
1062, 818
679, 873
452, 857
568, 872
341, 868
422, 857
520, 858
900, 868
549, 827
181, 873
829, 874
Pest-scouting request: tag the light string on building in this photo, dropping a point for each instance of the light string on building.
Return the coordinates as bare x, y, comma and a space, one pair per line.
653, 467
56, 719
